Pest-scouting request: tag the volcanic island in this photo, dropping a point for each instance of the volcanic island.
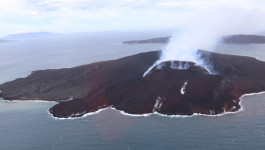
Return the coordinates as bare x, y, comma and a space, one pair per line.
166, 89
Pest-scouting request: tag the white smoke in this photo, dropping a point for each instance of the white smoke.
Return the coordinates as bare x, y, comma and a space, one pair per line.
207, 27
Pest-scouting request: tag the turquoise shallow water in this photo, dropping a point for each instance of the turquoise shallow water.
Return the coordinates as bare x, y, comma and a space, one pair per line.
27, 125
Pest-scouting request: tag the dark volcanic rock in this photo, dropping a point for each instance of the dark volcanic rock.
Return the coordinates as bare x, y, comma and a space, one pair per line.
72, 108
166, 89
173, 91
247, 72
54, 84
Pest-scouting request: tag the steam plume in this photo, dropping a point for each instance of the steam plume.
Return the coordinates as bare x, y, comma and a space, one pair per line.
206, 29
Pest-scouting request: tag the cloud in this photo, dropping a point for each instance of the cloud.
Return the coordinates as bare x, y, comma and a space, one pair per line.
95, 15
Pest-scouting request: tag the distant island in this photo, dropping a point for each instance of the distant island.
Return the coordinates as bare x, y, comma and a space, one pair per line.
232, 39
4, 41
153, 40
165, 90
30, 35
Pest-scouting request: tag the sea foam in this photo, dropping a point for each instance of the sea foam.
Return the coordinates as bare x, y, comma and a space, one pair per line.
140, 115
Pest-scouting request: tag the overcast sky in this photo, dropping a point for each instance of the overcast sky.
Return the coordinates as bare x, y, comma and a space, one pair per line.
69, 16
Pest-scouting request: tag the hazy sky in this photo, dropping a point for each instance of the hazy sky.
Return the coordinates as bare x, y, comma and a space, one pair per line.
68, 16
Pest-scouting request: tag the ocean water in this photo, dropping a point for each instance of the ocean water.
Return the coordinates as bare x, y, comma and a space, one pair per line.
27, 125
20, 58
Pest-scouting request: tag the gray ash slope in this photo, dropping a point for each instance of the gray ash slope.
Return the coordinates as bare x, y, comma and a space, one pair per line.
120, 84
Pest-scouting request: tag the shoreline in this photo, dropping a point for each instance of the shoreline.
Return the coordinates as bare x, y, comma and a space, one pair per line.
35, 101
111, 77
138, 115
162, 115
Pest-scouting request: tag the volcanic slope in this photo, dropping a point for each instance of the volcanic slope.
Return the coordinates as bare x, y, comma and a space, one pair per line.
166, 89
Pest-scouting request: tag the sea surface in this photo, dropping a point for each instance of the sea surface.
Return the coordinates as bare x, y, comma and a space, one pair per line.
28, 126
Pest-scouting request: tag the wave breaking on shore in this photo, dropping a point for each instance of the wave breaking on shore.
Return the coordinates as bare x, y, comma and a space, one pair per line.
159, 114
